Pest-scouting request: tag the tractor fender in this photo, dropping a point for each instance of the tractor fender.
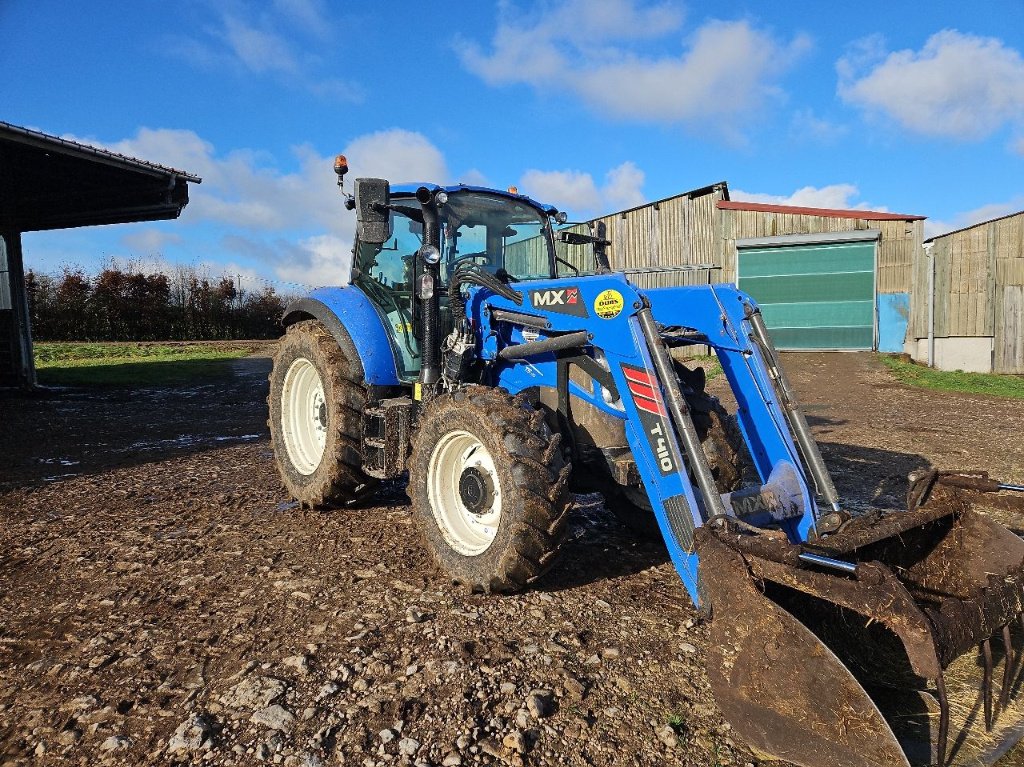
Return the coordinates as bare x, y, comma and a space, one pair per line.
355, 324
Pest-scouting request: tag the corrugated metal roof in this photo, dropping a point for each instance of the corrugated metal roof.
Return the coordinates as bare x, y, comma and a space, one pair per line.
56, 183
867, 215
40, 139
980, 223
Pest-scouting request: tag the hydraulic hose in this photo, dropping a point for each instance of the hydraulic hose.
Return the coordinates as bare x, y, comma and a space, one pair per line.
476, 276
680, 413
795, 416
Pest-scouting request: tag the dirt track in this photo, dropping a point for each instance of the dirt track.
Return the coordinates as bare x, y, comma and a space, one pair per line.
161, 601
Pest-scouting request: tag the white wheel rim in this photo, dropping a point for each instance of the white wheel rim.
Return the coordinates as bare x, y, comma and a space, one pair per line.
304, 419
467, 532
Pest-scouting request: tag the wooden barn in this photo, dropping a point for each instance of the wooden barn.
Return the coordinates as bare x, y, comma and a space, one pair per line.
968, 305
825, 279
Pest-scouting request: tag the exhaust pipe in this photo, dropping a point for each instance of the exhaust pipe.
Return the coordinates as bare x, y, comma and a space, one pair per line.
430, 329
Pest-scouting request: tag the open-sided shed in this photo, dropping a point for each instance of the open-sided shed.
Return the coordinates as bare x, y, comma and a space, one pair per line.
47, 182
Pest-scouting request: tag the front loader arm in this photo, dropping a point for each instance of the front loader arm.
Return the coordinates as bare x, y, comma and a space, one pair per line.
606, 320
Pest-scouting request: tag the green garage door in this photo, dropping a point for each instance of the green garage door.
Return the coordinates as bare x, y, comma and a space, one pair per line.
814, 296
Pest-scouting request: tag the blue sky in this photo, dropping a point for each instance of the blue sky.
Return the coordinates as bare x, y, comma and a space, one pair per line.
592, 106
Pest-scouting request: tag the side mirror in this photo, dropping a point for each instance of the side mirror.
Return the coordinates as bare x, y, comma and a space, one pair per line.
601, 245
373, 221
575, 238
578, 238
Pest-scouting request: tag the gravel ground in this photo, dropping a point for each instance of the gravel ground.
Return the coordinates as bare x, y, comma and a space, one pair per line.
163, 602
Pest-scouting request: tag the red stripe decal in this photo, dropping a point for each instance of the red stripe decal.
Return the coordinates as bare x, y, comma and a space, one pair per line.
638, 376
648, 406
643, 390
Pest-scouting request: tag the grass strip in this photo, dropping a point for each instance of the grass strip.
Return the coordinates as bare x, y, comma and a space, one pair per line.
126, 364
923, 377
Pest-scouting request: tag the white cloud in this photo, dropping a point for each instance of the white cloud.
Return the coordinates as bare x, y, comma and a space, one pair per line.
836, 196
293, 222
307, 15
328, 260
935, 227
334, 89
570, 189
474, 177
252, 42
306, 262
726, 68
807, 126
244, 189
958, 85
149, 242
258, 50
397, 155
623, 185
577, 193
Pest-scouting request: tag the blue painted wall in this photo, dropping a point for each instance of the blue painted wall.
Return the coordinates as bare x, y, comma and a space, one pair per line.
893, 316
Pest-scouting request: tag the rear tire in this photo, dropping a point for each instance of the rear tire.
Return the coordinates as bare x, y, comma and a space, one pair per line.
316, 404
489, 488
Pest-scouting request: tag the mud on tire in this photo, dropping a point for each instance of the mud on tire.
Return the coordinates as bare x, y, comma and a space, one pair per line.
338, 477
532, 479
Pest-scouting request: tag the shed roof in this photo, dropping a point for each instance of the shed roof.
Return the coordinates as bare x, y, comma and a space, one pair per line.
720, 186
867, 215
980, 223
47, 182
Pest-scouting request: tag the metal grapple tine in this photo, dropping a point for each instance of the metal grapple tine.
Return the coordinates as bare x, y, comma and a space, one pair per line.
1008, 669
940, 747
986, 682
1019, 656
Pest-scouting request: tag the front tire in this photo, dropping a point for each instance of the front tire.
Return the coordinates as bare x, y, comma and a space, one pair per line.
489, 488
316, 403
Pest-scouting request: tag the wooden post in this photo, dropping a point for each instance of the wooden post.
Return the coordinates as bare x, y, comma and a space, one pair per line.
22, 362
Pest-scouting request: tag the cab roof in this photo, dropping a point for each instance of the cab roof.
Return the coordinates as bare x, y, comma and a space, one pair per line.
409, 189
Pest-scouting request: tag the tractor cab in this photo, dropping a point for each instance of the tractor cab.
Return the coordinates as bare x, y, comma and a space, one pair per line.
504, 234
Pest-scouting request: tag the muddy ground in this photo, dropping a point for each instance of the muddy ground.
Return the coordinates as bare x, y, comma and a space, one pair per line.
162, 601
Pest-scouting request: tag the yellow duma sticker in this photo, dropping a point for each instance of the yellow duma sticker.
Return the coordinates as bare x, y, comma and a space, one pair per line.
608, 304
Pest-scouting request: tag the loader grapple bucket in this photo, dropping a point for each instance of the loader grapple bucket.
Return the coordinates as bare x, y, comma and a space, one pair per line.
914, 658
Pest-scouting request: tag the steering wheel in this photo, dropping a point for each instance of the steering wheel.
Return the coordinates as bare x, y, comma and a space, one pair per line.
455, 264
468, 257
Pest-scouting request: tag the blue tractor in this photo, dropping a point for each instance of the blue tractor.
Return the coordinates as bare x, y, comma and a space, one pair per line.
486, 349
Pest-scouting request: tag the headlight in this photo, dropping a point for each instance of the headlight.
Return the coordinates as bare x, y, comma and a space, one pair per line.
430, 254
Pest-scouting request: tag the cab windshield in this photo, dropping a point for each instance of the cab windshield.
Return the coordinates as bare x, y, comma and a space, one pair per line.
492, 231
508, 237
495, 232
